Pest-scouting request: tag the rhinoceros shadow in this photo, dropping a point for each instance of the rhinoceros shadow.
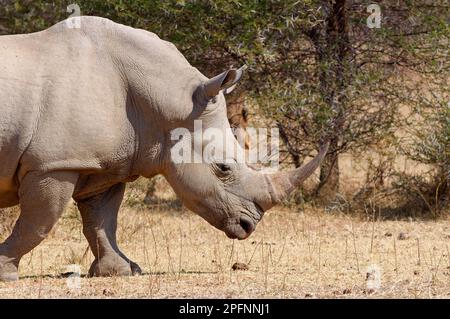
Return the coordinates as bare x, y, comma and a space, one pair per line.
149, 273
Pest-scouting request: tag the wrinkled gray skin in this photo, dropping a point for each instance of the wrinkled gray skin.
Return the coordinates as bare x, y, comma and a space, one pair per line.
83, 111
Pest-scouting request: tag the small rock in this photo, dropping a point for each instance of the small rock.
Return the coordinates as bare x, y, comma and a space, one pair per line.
308, 295
416, 272
388, 234
346, 291
369, 291
108, 292
239, 266
403, 236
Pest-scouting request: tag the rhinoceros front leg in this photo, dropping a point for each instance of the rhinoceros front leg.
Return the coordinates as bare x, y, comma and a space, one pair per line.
99, 214
43, 198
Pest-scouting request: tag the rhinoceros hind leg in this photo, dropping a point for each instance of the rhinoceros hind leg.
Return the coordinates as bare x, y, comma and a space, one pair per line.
43, 198
99, 214
113, 265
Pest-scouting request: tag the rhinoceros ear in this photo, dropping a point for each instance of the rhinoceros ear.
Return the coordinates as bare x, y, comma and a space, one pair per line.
225, 81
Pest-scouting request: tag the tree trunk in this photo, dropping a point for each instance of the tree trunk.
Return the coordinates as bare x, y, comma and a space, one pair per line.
332, 44
329, 177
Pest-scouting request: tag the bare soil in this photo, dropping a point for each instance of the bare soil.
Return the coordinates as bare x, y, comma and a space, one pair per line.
292, 254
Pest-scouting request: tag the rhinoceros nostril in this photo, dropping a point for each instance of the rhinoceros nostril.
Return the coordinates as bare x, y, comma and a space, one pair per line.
246, 225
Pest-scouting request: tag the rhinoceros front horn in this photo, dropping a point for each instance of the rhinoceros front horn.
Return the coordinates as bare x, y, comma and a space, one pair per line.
281, 184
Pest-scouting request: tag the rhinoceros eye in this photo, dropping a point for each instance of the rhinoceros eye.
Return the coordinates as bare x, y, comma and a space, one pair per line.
224, 167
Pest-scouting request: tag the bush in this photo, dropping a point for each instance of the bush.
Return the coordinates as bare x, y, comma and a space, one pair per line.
430, 145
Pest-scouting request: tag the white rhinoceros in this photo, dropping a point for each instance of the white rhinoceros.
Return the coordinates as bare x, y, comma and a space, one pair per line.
85, 110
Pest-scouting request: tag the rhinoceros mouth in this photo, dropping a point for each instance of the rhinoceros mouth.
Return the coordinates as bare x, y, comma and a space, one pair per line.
240, 228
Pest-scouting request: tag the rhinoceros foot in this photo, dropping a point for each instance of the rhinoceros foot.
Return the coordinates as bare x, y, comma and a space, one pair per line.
8, 269
113, 266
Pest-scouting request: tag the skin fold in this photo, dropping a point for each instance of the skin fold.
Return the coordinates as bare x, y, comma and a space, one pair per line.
84, 111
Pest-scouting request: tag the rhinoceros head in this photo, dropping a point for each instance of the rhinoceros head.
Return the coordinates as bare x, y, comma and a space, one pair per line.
221, 187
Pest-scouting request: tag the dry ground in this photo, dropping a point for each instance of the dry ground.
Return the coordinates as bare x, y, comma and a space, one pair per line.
291, 255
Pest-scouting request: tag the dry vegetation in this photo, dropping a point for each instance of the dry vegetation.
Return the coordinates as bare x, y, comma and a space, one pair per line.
294, 253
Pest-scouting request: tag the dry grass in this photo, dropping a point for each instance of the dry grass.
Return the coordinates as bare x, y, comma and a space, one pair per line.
291, 255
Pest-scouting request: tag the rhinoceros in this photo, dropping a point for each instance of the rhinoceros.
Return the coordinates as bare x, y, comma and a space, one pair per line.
85, 110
